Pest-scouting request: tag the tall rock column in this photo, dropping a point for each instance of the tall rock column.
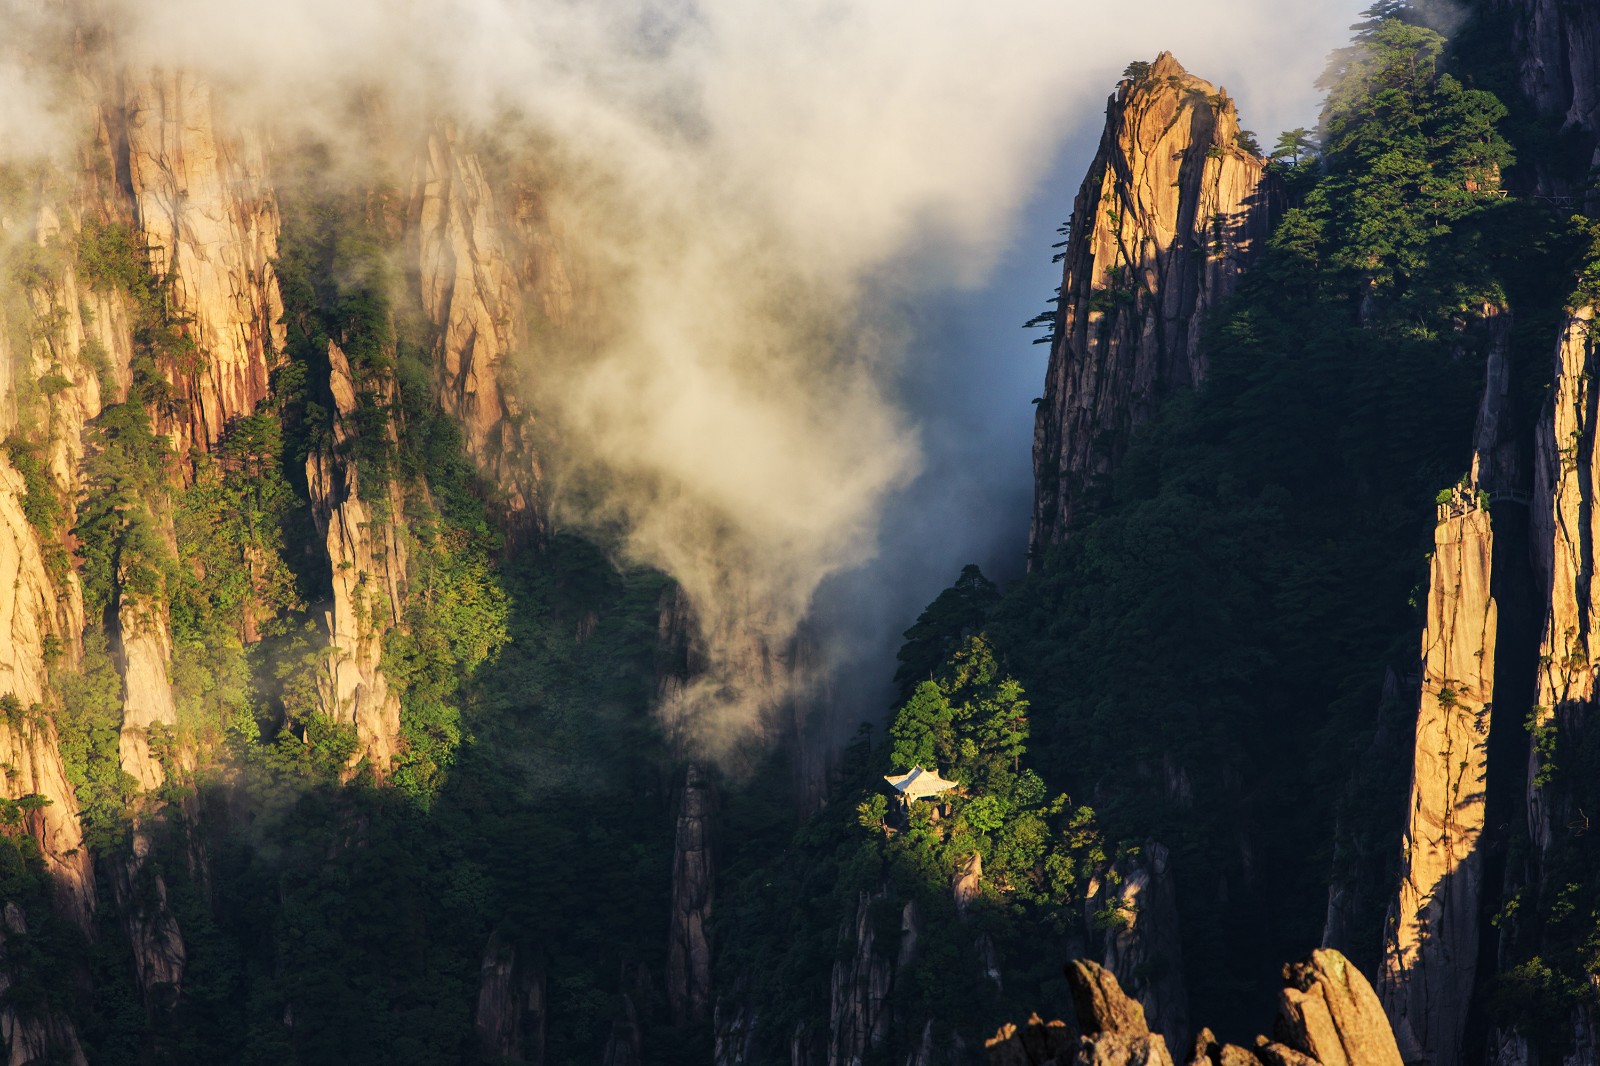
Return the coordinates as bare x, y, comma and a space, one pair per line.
1431, 943
1431, 936
693, 885
368, 558
1566, 486
1173, 210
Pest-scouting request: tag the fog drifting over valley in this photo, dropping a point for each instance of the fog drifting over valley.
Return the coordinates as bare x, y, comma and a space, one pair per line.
819, 224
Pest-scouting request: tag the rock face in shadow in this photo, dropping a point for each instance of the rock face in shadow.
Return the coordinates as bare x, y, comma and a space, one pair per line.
510, 1017
858, 1016
693, 891
1146, 952
36, 1033
1172, 212
159, 953
1557, 49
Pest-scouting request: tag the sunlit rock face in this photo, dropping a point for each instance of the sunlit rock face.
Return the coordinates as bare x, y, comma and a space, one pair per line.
1327, 1014
1564, 525
367, 556
492, 278
1432, 943
1173, 210
204, 203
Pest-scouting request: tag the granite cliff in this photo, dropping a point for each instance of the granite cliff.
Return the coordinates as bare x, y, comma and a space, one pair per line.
1175, 207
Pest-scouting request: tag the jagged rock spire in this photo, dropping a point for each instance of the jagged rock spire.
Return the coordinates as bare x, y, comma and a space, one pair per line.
1172, 211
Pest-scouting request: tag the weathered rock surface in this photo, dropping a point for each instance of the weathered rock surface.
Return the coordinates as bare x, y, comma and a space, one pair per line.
733, 1033
1038, 1043
858, 1016
1330, 1012
1112, 1025
472, 293
159, 953
1328, 1016
1565, 521
31, 1034
147, 702
1431, 945
510, 1016
1146, 953
367, 554
1557, 48
203, 201
693, 892
1172, 212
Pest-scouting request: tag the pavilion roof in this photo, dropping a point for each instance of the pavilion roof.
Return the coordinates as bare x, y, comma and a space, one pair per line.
919, 783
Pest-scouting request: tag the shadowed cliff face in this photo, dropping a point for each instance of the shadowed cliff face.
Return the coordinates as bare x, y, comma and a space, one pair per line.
1172, 211
1557, 50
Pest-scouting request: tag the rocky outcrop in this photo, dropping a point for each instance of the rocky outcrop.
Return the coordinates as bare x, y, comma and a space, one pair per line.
204, 204
1328, 1015
35, 1033
693, 891
474, 298
159, 953
967, 883
863, 975
1145, 952
367, 556
510, 1016
1110, 1031
1330, 1012
1173, 210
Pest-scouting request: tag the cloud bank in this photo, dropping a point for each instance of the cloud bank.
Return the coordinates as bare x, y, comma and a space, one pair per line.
752, 172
